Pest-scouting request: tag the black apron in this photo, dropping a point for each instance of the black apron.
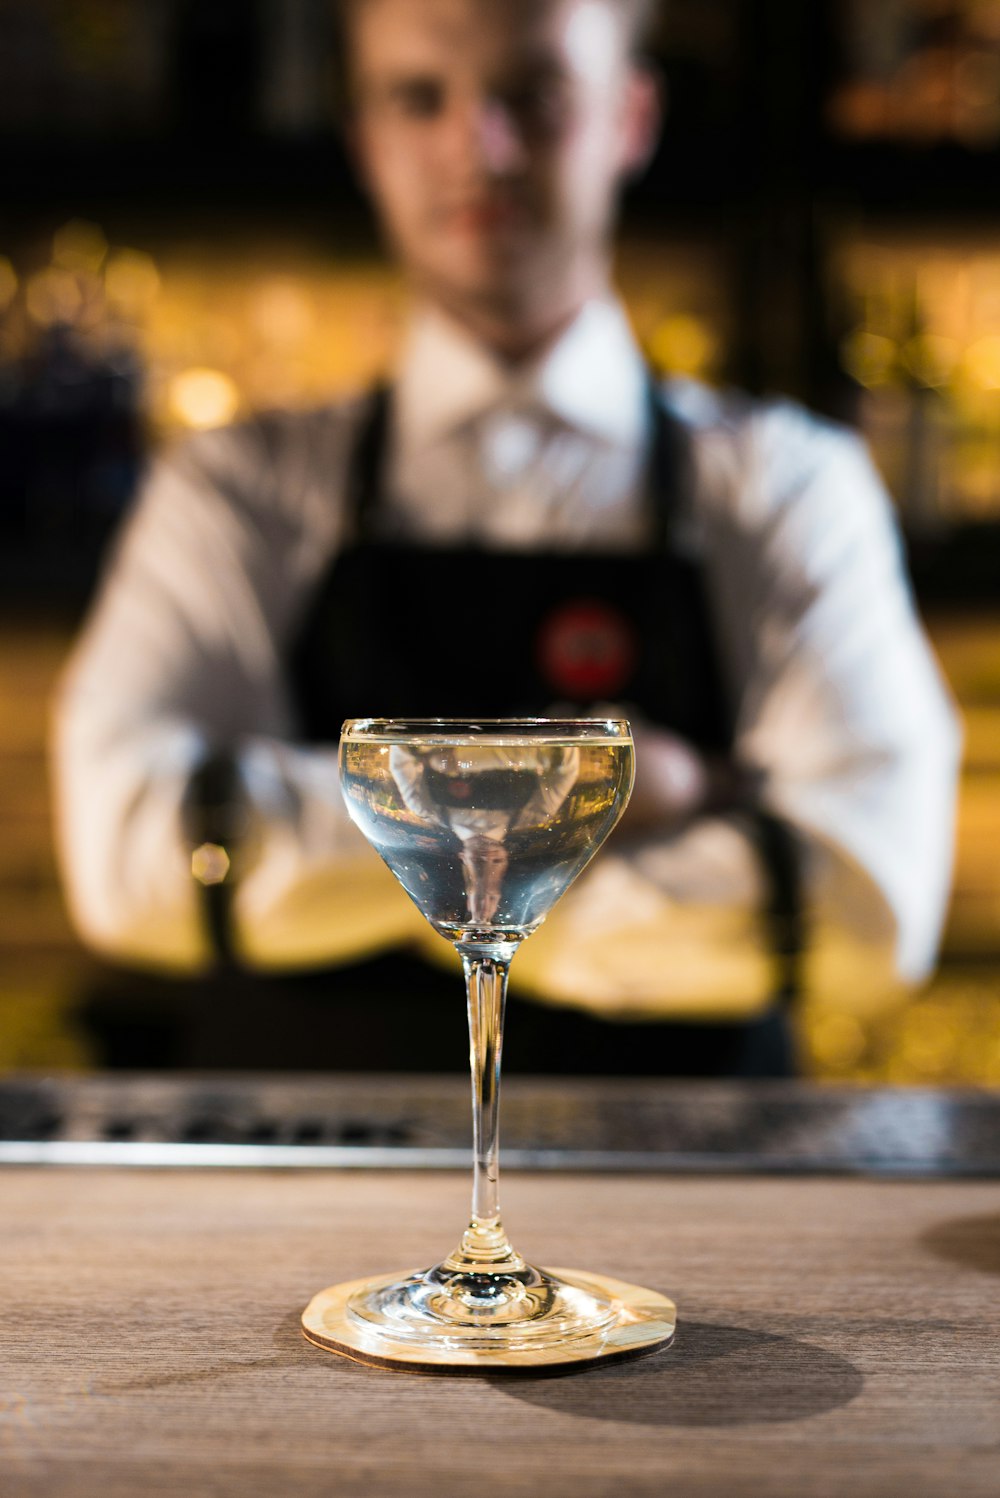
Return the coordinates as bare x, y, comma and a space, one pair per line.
409, 630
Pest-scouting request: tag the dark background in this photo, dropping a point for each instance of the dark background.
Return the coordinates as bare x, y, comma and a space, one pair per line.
181, 239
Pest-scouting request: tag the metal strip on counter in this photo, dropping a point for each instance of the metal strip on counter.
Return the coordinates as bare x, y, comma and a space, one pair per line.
422, 1123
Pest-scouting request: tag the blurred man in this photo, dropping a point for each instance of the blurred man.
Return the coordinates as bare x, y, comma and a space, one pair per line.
522, 519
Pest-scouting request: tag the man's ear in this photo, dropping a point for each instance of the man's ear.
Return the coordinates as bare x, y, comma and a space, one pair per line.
643, 109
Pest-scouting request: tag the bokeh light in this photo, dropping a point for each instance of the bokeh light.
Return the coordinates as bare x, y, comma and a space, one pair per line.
683, 345
79, 246
981, 362
53, 296
9, 283
131, 283
203, 398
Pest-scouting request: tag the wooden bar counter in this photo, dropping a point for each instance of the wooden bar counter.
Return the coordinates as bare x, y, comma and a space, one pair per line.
836, 1336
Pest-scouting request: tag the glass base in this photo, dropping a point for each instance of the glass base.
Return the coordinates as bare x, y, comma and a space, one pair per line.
436, 1321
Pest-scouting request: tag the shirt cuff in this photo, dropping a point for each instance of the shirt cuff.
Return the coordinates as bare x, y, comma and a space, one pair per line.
713, 862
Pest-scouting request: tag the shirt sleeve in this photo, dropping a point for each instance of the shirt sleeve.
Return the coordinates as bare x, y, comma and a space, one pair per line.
181, 656
842, 719
841, 713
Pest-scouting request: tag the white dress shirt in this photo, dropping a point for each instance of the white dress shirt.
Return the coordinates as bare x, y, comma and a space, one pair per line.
839, 704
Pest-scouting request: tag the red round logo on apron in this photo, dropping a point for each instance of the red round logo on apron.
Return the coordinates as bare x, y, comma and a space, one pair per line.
586, 649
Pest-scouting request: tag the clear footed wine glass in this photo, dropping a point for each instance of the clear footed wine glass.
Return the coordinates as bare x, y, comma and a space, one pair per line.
485, 824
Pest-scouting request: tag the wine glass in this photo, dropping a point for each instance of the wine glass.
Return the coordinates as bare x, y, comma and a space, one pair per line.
485, 824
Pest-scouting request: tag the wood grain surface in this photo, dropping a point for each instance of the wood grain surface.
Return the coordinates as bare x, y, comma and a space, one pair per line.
835, 1337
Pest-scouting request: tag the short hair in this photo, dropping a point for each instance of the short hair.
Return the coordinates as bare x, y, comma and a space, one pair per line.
641, 17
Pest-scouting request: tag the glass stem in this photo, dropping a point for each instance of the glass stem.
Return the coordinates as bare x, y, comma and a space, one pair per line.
485, 1247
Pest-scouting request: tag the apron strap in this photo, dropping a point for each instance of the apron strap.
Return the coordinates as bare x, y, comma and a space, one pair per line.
668, 470
783, 913
214, 818
365, 478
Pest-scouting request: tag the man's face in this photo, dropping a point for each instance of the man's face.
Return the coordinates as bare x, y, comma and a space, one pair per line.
493, 135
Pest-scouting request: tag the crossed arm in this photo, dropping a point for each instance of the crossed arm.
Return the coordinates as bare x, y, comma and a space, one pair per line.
843, 725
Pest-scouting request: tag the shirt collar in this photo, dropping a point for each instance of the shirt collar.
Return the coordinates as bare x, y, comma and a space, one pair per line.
592, 378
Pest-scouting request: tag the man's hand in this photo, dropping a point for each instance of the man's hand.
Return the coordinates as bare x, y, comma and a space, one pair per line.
672, 781
675, 783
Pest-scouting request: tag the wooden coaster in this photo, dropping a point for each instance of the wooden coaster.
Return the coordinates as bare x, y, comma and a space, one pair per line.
645, 1322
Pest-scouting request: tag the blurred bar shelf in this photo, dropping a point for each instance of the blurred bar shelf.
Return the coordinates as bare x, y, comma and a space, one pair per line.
414, 1123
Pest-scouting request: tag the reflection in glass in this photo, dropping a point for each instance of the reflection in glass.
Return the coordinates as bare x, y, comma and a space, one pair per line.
485, 825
